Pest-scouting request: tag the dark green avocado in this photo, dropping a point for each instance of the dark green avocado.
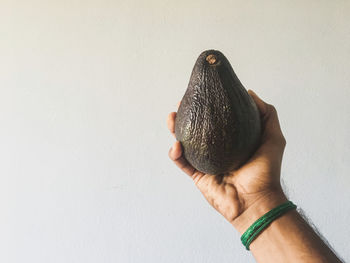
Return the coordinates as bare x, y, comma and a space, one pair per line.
217, 123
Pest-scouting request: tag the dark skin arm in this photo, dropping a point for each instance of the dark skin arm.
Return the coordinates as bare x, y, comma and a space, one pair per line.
249, 192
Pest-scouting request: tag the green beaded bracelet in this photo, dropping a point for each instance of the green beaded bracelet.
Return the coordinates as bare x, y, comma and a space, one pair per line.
259, 225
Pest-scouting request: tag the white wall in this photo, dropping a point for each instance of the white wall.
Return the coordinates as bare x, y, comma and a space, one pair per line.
85, 88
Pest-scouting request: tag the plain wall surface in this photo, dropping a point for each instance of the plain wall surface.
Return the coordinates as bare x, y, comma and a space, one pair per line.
85, 89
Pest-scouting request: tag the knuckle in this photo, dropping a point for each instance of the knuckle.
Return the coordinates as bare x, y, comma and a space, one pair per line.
170, 155
283, 141
272, 109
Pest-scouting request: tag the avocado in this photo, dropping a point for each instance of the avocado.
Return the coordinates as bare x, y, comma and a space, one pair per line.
217, 123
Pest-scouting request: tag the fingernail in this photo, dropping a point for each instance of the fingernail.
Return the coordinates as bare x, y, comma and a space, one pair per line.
256, 95
252, 92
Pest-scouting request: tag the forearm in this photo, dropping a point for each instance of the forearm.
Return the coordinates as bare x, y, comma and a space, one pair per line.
289, 238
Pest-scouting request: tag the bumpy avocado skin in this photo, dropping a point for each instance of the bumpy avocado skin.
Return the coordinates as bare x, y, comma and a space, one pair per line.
217, 123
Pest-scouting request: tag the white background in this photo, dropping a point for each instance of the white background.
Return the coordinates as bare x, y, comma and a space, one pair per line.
85, 88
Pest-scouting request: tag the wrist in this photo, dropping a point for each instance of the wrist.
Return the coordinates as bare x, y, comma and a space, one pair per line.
260, 206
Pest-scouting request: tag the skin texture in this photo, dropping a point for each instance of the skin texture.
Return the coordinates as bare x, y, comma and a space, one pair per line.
244, 195
217, 122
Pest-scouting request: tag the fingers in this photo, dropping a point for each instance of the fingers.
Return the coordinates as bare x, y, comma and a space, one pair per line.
272, 129
262, 106
175, 154
171, 122
267, 111
176, 151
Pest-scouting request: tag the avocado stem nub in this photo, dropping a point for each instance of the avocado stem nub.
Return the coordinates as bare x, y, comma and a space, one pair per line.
211, 59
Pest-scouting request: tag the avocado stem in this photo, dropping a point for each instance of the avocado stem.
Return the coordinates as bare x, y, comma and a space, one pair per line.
211, 59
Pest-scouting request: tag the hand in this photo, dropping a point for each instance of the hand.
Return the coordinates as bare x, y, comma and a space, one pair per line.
258, 179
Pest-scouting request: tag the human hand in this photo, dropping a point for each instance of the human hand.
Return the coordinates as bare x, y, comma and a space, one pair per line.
255, 184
